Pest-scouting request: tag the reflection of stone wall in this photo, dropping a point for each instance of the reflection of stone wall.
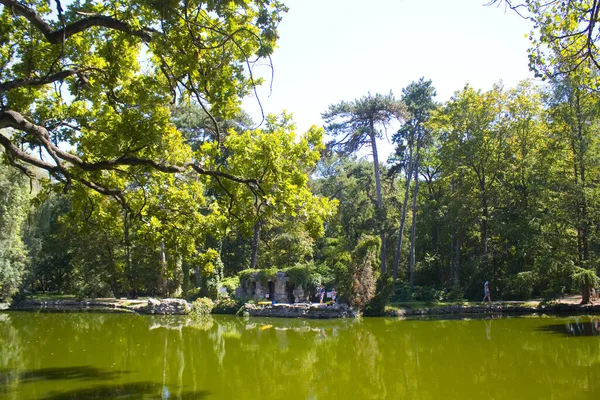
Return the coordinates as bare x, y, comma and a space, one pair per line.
317, 311
168, 306
282, 290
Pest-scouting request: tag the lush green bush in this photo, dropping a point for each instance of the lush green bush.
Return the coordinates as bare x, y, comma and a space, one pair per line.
362, 271
261, 275
305, 275
405, 292
265, 275
384, 289
583, 276
193, 294
521, 285
226, 306
343, 278
455, 294
231, 284
245, 275
201, 307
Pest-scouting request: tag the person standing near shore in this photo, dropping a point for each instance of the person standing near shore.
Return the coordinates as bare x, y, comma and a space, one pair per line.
486, 292
321, 293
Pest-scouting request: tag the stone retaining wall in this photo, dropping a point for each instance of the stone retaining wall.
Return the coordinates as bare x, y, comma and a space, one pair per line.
297, 310
497, 310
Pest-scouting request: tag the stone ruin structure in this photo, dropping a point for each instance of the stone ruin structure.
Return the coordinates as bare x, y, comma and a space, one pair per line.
277, 288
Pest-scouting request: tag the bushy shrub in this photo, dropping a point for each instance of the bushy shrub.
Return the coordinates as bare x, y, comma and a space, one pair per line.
245, 275
261, 275
226, 306
455, 294
265, 275
384, 289
231, 283
521, 285
193, 294
365, 262
343, 278
305, 275
201, 307
405, 292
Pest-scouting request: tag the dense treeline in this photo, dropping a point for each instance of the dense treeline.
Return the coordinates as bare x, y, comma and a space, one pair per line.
167, 188
507, 193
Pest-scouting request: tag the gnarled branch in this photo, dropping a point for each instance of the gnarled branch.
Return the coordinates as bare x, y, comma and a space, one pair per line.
59, 76
59, 35
12, 119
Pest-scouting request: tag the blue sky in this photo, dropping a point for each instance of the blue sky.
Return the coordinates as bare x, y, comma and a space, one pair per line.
333, 50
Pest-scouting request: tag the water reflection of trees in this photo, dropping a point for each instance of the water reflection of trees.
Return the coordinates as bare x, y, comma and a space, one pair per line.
266, 358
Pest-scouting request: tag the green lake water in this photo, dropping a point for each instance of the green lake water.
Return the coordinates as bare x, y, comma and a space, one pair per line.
105, 356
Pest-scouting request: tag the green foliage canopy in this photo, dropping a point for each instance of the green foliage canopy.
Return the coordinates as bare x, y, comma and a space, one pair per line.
90, 84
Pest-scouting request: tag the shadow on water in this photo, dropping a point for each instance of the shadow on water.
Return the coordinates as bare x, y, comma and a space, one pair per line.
83, 373
573, 328
131, 391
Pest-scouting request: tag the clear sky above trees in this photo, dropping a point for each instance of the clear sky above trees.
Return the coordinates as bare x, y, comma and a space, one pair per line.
341, 49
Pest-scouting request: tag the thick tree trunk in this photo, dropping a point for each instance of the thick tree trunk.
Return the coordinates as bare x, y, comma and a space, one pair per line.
403, 216
414, 222
255, 242
379, 198
585, 294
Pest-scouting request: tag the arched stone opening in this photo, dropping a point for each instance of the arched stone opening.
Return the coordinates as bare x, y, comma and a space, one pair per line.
289, 290
271, 290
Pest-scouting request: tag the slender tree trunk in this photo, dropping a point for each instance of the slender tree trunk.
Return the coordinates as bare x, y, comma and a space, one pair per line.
483, 226
379, 198
164, 272
128, 262
403, 216
414, 221
452, 261
584, 216
457, 259
578, 148
255, 242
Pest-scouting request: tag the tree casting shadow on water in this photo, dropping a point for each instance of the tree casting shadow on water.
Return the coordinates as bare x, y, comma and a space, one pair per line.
83, 373
130, 391
573, 329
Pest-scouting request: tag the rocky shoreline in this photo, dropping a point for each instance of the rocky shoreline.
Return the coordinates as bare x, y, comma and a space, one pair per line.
298, 310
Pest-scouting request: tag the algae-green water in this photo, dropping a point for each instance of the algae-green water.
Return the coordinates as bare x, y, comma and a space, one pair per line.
108, 356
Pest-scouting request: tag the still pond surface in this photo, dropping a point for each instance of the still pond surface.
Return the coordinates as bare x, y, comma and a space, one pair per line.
103, 356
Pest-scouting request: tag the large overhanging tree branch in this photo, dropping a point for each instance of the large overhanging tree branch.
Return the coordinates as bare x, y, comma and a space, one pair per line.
100, 77
565, 37
56, 36
12, 119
